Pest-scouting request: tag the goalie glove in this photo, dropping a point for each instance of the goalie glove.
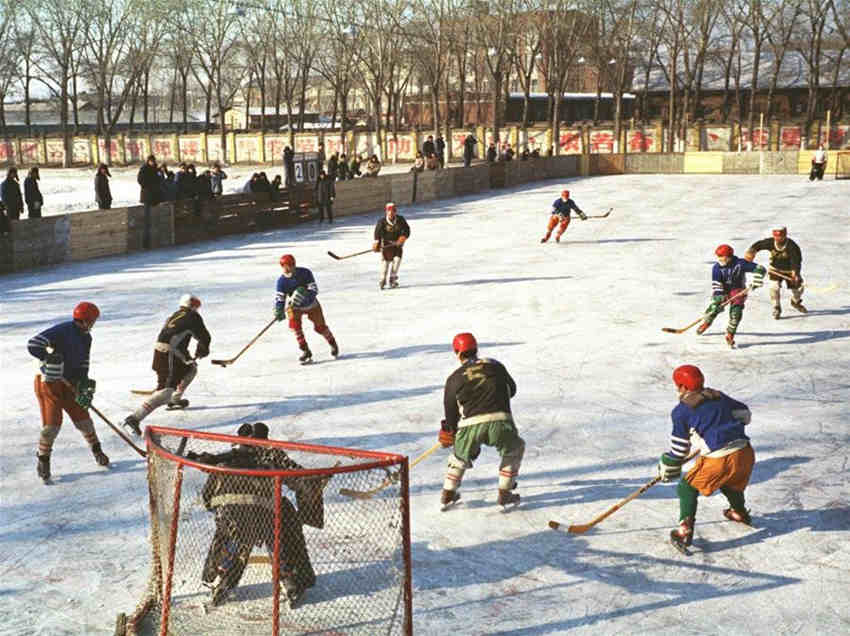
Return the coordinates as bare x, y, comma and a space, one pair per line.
53, 367
298, 297
758, 277
446, 436
85, 392
669, 468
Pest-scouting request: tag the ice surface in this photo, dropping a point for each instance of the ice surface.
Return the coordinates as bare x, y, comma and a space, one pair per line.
578, 325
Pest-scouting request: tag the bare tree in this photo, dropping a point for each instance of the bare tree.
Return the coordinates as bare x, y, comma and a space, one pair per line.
622, 17
730, 57
8, 71
430, 32
810, 45
525, 56
649, 18
779, 38
496, 36
333, 59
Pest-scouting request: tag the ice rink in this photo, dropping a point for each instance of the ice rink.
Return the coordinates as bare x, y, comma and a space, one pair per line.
577, 324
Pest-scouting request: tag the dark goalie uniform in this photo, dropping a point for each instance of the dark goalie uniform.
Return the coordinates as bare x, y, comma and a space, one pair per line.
387, 234
244, 510
171, 358
788, 259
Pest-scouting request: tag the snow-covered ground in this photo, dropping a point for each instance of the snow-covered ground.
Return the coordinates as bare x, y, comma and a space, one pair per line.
578, 325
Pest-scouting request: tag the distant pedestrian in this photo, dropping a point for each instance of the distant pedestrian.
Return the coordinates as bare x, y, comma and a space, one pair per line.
289, 165
325, 195
102, 192
216, 177
10, 194
469, 149
150, 194
32, 194
440, 144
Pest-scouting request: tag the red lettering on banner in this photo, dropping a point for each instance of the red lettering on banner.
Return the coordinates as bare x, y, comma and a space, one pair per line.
639, 141
571, 141
333, 145
790, 138
29, 151
601, 141
5, 151
162, 149
837, 137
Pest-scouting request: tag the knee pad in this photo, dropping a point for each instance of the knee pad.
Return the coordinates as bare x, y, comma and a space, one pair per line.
86, 427
735, 314
163, 396
49, 433
774, 294
454, 474
510, 464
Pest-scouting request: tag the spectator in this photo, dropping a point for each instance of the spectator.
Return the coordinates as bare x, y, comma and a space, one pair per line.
325, 195
418, 163
509, 153
354, 168
275, 187
428, 148
150, 194
373, 166
342, 168
203, 186
524, 155
5, 226
333, 166
102, 192
10, 194
491, 152
431, 162
535, 154
182, 182
216, 177
441, 150
32, 194
321, 154
289, 166
169, 186
251, 184
263, 184
469, 149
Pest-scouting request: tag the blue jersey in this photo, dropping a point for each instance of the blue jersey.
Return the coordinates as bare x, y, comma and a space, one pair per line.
563, 208
286, 286
725, 278
716, 418
71, 342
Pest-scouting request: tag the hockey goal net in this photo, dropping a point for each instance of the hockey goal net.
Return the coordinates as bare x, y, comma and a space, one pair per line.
230, 516
842, 164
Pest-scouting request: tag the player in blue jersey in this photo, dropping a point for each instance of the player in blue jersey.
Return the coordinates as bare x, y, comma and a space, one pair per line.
715, 423
64, 383
561, 209
728, 281
298, 285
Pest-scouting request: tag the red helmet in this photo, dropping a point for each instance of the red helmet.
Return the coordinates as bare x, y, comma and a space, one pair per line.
689, 377
86, 312
287, 259
780, 233
389, 206
190, 301
724, 250
565, 194
464, 342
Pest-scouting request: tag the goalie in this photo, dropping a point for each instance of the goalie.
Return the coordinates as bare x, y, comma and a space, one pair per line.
244, 510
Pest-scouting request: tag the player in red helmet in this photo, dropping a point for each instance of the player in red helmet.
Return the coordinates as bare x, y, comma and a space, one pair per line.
561, 209
175, 367
477, 404
715, 423
786, 259
391, 232
64, 383
298, 285
727, 280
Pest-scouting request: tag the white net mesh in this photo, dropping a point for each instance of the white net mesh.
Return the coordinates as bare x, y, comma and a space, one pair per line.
227, 521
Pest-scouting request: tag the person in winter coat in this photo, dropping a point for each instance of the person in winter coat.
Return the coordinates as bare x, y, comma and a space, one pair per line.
342, 173
289, 165
373, 166
325, 195
469, 149
32, 194
216, 177
102, 193
150, 195
354, 167
10, 194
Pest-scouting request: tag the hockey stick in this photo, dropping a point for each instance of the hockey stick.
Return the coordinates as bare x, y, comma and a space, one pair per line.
601, 216
584, 527
142, 391
743, 292
340, 258
224, 363
110, 424
368, 494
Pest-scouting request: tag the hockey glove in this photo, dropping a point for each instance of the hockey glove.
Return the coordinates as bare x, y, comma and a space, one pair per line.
716, 302
446, 436
85, 392
279, 313
401, 240
52, 367
582, 216
669, 468
298, 297
376, 246
758, 277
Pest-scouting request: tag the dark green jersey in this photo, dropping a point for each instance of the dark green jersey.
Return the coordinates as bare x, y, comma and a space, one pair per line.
787, 258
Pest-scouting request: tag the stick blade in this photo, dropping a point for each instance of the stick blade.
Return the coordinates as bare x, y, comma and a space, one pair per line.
608, 213
670, 330
579, 528
222, 363
356, 494
332, 255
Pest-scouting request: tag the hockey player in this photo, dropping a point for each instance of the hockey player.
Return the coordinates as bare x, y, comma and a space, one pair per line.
727, 281
391, 232
561, 210
786, 258
64, 383
244, 506
175, 368
819, 161
477, 404
715, 423
298, 284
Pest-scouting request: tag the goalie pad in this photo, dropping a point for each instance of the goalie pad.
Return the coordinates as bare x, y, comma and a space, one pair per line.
509, 466
454, 474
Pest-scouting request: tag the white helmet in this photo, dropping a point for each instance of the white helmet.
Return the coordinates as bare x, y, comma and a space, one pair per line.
190, 301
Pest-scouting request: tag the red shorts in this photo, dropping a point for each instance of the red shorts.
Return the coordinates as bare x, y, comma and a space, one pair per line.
55, 397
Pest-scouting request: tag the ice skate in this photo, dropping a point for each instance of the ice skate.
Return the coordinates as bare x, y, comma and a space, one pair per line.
179, 403
738, 516
99, 456
798, 305
730, 340
506, 497
43, 467
306, 356
393, 283
132, 425
682, 537
448, 498
334, 349
382, 284
777, 312
291, 588
544, 239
